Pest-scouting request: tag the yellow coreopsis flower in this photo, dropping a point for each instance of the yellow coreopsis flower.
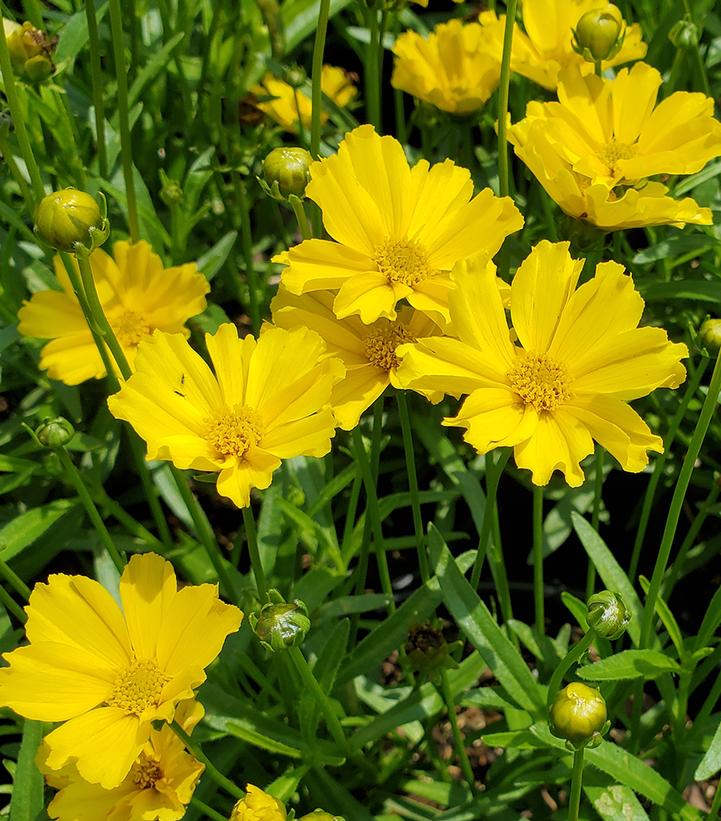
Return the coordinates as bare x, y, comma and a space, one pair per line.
159, 785
258, 806
138, 295
593, 149
367, 351
290, 104
451, 68
107, 672
397, 231
580, 358
545, 48
267, 401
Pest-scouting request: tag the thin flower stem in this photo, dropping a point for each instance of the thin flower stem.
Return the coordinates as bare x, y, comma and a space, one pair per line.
538, 587
151, 493
659, 464
372, 71
131, 524
251, 534
97, 86
574, 802
716, 804
494, 469
407, 434
316, 96
598, 68
72, 473
246, 244
16, 113
210, 768
595, 516
575, 653
205, 810
10, 604
12, 578
331, 719
116, 30
503, 186
458, 739
7, 156
296, 203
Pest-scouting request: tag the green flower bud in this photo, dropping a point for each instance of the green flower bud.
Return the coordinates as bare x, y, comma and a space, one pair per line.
607, 614
171, 192
320, 815
295, 76
69, 217
599, 34
578, 714
30, 50
286, 171
710, 333
55, 433
280, 624
684, 34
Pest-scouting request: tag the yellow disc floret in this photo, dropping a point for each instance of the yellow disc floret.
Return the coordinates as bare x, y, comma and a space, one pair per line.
235, 432
138, 687
130, 327
381, 343
540, 381
145, 772
403, 261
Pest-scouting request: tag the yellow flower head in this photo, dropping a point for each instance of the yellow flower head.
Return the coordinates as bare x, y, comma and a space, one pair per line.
367, 351
593, 149
290, 103
545, 48
258, 806
451, 68
267, 401
107, 672
577, 364
159, 785
397, 230
138, 295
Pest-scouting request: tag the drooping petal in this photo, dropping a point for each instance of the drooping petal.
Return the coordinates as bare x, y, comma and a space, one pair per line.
256, 470
360, 387
370, 296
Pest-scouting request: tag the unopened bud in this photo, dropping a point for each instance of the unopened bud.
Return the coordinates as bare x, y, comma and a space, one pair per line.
320, 815
599, 34
608, 614
286, 171
710, 333
684, 34
171, 192
578, 714
280, 624
258, 805
55, 433
69, 217
30, 50
294, 76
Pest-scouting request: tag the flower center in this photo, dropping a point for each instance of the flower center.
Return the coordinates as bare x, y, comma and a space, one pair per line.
138, 687
540, 382
234, 432
130, 328
145, 772
381, 344
403, 261
615, 151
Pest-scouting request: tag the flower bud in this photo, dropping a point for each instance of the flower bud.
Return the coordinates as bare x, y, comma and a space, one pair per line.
30, 50
287, 171
258, 806
428, 651
281, 624
69, 217
171, 192
607, 614
578, 714
710, 333
320, 815
599, 33
55, 433
684, 34
295, 76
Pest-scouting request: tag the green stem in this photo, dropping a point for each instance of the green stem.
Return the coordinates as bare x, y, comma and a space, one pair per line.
504, 85
598, 68
567, 661
130, 523
493, 475
116, 29
12, 578
205, 810
251, 534
7, 156
96, 77
246, 244
316, 96
458, 739
716, 805
595, 516
12, 606
210, 768
574, 802
372, 71
151, 492
407, 434
72, 473
331, 719
16, 112
296, 203
538, 587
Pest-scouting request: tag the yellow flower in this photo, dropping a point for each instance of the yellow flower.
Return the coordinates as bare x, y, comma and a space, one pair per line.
108, 673
267, 401
397, 230
450, 68
593, 150
138, 296
159, 785
289, 102
580, 359
367, 351
258, 806
546, 46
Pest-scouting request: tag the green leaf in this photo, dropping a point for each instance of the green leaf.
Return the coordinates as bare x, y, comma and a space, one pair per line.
27, 799
711, 762
610, 571
153, 67
616, 802
481, 629
214, 258
682, 289
26, 528
300, 17
711, 621
325, 670
629, 664
663, 611
74, 34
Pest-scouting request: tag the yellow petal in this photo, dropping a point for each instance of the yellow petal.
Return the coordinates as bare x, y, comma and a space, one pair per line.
360, 387
256, 470
318, 264
308, 436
